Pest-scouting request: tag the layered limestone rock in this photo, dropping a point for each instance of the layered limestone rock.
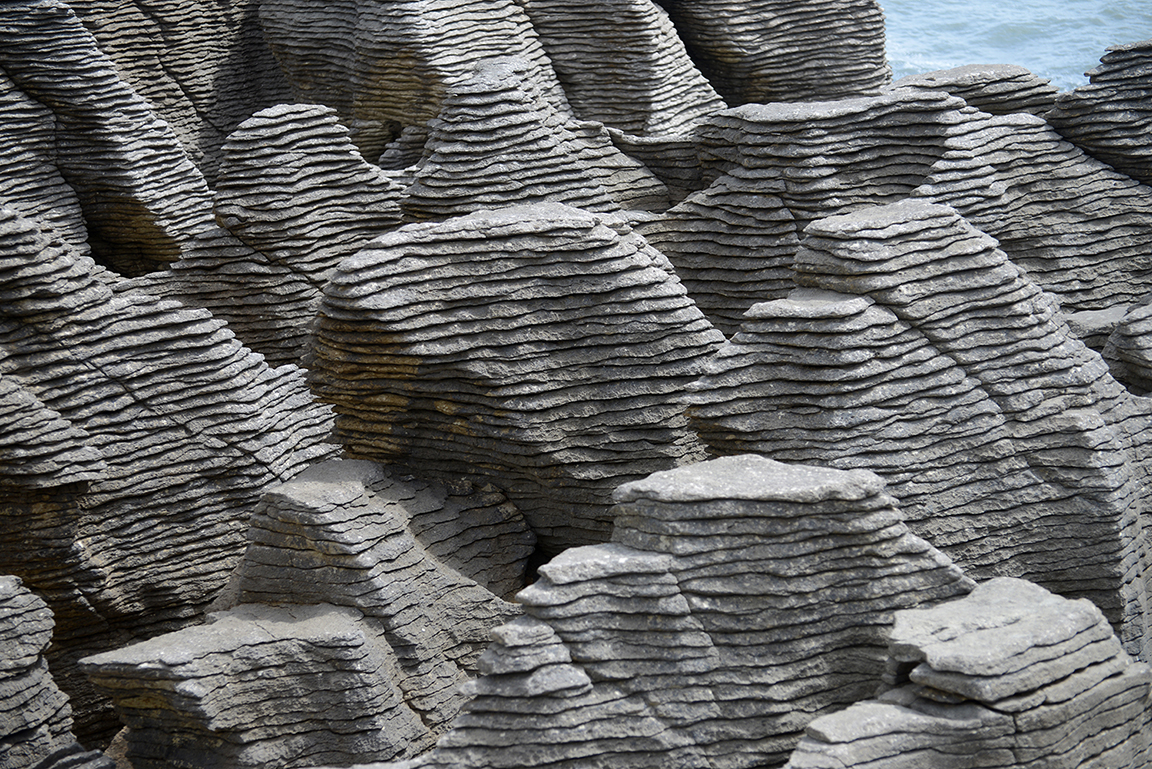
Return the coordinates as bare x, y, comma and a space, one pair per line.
386, 64
143, 434
1010, 676
294, 197
350, 640
498, 143
141, 197
1110, 117
622, 64
204, 67
774, 50
709, 632
998, 89
539, 348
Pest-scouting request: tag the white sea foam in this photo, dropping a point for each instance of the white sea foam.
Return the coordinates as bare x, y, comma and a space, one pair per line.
1056, 39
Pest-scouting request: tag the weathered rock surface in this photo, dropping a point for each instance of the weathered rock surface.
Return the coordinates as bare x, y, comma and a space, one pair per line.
1110, 117
140, 196
953, 376
774, 50
143, 435
351, 638
709, 632
1010, 676
999, 89
538, 347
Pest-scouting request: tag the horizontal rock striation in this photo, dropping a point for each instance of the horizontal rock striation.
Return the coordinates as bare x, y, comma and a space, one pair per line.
141, 197
999, 89
351, 637
1110, 118
1010, 676
774, 50
539, 348
622, 64
149, 433
709, 632
386, 64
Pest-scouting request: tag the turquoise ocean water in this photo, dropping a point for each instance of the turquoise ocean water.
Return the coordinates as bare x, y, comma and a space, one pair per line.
1056, 39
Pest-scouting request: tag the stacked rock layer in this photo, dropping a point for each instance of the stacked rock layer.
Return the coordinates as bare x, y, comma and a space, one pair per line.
351, 638
1009, 677
709, 632
539, 347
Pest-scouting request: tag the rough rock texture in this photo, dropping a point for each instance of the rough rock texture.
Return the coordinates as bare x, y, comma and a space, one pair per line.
622, 64
351, 638
1110, 118
1128, 349
999, 89
538, 347
386, 64
144, 434
203, 67
294, 197
778, 50
709, 632
1010, 676
140, 195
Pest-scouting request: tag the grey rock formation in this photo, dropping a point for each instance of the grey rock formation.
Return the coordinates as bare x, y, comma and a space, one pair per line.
1110, 118
293, 197
203, 67
954, 377
1010, 676
386, 64
144, 434
777, 50
622, 64
141, 197
709, 632
540, 348
999, 89
351, 638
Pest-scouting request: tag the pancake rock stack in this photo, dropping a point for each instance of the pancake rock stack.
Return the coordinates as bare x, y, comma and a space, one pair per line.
497, 143
1110, 117
369, 634
1079, 228
1128, 349
999, 89
178, 429
775, 50
294, 197
386, 64
1080, 431
710, 631
1009, 677
142, 198
204, 67
621, 64
539, 348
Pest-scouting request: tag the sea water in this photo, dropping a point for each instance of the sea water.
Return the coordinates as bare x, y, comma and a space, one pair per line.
1056, 39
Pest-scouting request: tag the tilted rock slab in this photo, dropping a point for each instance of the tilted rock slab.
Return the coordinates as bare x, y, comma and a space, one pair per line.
776, 50
145, 434
204, 67
622, 64
386, 64
497, 143
1080, 431
1010, 676
141, 197
538, 347
294, 197
351, 639
1110, 118
740, 598
999, 89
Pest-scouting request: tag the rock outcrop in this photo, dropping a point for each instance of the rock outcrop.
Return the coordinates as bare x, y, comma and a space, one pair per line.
1010, 676
540, 348
999, 89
